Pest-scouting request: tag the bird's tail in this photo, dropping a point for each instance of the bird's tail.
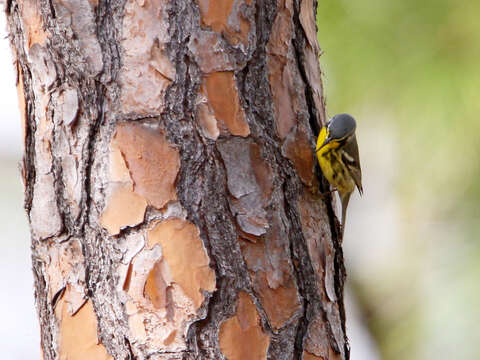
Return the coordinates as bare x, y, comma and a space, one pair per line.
345, 198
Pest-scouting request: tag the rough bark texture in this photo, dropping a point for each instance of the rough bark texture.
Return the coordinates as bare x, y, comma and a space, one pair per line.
170, 180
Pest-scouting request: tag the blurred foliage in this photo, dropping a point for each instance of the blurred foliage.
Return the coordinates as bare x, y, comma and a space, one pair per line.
416, 63
415, 66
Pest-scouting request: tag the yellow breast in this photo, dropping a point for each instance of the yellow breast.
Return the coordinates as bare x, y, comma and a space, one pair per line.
330, 160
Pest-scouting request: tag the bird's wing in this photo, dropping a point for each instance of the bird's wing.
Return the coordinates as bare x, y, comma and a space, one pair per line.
351, 159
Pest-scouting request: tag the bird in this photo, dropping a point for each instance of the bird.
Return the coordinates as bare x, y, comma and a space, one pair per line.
337, 154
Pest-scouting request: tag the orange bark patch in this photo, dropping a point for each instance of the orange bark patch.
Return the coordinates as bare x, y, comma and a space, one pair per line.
186, 257
280, 303
223, 97
125, 208
151, 160
224, 17
241, 337
78, 335
279, 299
156, 287
298, 149
143, 169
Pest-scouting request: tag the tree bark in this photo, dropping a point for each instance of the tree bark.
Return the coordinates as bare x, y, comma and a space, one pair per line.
170, 181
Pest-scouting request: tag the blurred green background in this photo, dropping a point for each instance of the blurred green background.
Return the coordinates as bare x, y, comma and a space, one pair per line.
409, 72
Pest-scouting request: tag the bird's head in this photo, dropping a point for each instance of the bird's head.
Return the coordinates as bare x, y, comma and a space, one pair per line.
339, 129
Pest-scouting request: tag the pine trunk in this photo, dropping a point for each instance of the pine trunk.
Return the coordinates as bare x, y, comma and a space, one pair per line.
170, 180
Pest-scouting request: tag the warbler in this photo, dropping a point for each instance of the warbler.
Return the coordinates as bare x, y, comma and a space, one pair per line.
337, 153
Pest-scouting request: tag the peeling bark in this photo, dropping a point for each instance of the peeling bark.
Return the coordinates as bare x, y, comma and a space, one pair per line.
170, 180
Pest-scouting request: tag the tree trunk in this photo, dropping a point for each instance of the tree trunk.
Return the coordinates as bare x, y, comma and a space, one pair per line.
170, 180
